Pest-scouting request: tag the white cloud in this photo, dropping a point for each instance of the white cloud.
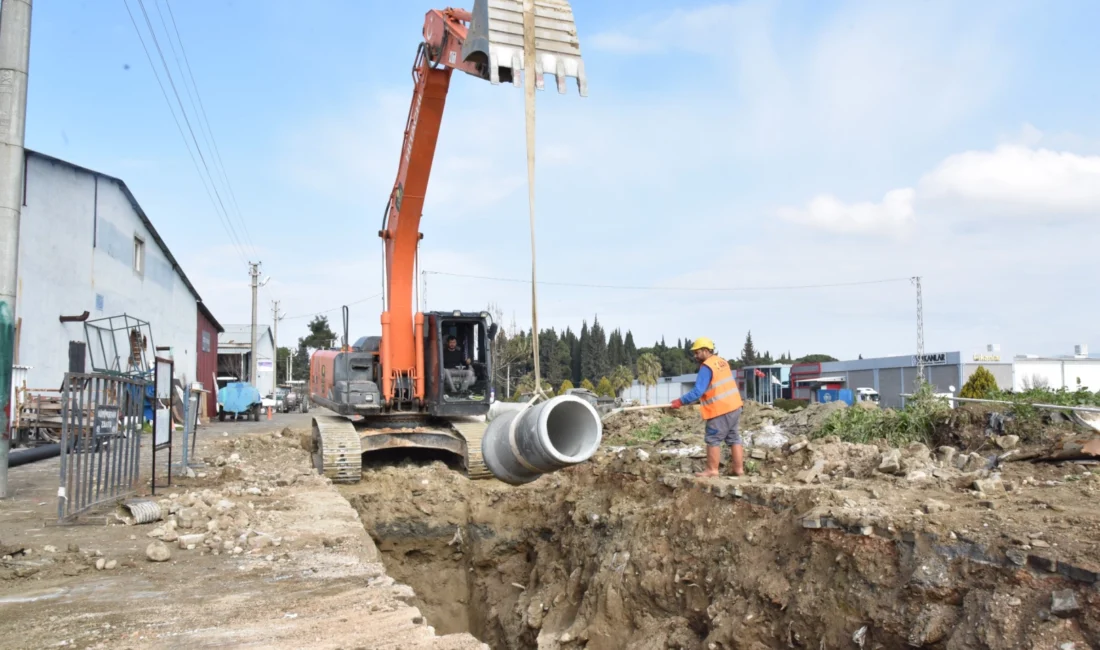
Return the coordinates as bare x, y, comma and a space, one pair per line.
1014, 180
826, 212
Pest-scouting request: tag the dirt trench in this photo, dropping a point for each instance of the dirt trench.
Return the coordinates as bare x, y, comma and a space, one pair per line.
622, 553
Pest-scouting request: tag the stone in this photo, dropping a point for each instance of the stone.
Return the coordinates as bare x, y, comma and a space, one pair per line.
1038, 543
975, 462
933, 506
171, 536
49, 549
259, 541
158, 552
946, 455
918, 451
253, 491
212, 526
189, 542
111, 564
220, 461
1007, 442
758, 453
189, 473
157, 532
890, 462
991, 486
808, 475
1064, 603
287, 478
932, 625
234, 458
100, 564
798, 446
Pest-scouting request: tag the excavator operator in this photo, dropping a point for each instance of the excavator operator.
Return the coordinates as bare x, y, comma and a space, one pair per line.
457, 368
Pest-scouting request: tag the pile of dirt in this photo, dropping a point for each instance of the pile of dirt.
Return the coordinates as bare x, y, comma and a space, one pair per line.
827, 543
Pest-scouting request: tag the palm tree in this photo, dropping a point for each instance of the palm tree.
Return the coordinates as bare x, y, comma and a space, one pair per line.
649, 369
622, 377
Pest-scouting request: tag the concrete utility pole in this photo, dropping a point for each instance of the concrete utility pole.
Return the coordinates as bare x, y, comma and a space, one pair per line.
15, 54
254, 272
920, 334
275, 336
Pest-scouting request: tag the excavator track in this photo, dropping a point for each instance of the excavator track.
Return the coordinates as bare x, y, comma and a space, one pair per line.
476, 469
337, 451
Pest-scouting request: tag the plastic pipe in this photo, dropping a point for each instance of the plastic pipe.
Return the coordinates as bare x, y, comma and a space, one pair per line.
520, 446
33, 455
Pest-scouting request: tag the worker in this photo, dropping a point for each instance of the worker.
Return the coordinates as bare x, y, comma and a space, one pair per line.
720, 405
456, 368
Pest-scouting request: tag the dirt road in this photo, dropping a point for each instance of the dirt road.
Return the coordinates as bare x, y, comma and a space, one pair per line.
306, 576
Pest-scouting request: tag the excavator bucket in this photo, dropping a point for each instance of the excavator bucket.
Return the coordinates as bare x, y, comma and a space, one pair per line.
495, 41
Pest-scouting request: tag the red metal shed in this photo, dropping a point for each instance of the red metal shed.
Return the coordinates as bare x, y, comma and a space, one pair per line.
207, 347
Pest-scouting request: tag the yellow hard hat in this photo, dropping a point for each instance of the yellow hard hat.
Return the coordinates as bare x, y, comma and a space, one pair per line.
702, 343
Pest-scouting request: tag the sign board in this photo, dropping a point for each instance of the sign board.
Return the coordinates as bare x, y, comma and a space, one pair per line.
164, 379
987, 357
163, 428
106, 421
935, 359
263, 366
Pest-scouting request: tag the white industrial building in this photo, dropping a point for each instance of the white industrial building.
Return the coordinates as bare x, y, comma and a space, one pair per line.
1079, 371
235, 360
88, 251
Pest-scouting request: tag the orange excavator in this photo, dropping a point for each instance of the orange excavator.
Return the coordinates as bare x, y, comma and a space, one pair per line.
426, 382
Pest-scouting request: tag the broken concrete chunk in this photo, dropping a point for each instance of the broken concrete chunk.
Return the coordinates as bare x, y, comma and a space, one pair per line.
190, 541
932, 506
1064, 603
1007, 442
808, 475
890, 462
758, 453
991, 486
946, 455
798, 446
158, 552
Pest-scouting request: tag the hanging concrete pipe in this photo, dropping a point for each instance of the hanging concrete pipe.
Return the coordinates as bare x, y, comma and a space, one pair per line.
520, 446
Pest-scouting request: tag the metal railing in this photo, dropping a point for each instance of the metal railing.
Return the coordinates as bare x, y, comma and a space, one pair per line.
100, 441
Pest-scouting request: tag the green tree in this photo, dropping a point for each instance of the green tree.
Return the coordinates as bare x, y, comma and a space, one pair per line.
282, 364
604, 388
649, 370
616, 351
565, 385
622, 377
815, 358
630, 350
554, 357
981, 385
748, 352
594, 362
320, 337
300, 369
587, 385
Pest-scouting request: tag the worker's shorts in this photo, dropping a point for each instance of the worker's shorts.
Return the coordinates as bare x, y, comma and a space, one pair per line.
724, 428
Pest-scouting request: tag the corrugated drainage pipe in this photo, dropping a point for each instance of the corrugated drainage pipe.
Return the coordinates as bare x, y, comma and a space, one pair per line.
518, 447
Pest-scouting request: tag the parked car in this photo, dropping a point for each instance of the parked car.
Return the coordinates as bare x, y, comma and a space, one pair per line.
239, 400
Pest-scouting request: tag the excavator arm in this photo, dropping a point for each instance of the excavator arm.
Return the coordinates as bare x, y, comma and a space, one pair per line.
486, 43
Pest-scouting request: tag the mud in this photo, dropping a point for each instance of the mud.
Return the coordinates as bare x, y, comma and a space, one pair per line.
631, 551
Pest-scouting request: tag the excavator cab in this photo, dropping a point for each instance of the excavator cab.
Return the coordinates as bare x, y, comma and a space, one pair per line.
458, 362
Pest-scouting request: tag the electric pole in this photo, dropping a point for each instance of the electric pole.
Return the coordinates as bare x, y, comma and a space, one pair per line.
254, 272
276, 317
15, 54
920, 333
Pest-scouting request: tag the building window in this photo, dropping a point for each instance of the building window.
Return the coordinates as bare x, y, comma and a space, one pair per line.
205, 341
139, 255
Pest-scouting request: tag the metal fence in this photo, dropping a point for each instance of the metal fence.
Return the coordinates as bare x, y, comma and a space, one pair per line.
100, 440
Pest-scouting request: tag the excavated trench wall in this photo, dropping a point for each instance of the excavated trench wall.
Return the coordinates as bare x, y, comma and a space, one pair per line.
622, 554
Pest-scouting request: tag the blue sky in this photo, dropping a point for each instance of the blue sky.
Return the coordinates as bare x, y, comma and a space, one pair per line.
742, 144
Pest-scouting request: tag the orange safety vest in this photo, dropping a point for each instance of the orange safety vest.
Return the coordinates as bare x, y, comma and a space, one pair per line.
722, 395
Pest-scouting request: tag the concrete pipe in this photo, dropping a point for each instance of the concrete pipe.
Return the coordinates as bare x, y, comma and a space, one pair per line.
520, 446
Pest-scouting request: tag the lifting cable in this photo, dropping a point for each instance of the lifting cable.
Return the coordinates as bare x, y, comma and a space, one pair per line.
529, 73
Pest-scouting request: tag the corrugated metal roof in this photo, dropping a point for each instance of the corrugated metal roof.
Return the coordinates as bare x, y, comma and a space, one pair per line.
241, 335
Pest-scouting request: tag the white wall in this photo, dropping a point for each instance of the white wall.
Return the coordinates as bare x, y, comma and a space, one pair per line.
76, 241
1058, 373
662, 393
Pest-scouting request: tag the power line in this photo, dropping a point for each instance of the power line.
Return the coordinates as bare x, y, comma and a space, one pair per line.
699, 289
225, 223
219, 163
318, 313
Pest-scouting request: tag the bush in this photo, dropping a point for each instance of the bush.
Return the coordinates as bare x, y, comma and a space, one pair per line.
981, 385
587, 385
917, 422
790, 404
604, 389
565, 385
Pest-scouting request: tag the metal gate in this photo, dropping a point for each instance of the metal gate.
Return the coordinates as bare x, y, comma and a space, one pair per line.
102, 419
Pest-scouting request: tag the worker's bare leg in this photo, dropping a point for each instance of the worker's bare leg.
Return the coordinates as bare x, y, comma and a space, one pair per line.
714, 457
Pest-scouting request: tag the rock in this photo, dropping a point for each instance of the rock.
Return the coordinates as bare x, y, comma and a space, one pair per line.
1007, 442
74, 548
1016, 556
890, 462
565, 638
288, 477
158, 552
991, 486
212, 526
189, 542
253, 491
170, 536
758, 453
1038, 543
932, 506
797, 447
808, 475
100, 564
189, 473
1064, 603
947, 455
259, 541
974, 462
933, 624
918, 451
157, 532
111, 564
234, 458
49, 549
220, 461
